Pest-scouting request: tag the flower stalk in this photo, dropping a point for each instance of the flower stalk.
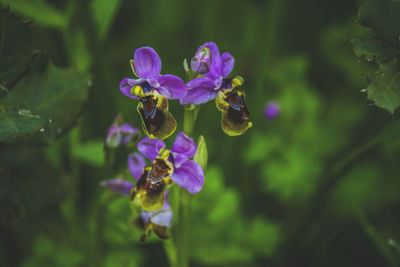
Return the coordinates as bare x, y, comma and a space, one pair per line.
185, 198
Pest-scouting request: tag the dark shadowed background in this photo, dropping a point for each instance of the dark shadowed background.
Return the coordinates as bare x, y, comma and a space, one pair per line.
317, 186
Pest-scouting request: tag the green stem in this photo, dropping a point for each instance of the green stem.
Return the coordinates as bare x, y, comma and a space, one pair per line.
185, 198
170, 251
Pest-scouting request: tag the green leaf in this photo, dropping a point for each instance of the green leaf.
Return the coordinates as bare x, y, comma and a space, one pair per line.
16, 50
103, 13
383, 17
384, 86
381, 45
17, 122
40, 11
201, 156
56, 97
373, 48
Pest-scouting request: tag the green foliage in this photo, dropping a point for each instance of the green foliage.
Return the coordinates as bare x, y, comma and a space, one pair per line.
16, 51
381, 45
90, 152
50, 253
40, 11
316, 187
231, 236
55, 96
103, 13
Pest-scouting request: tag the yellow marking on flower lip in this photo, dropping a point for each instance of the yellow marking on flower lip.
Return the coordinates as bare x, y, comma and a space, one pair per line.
237, 81
250, 124
164, 153
137, 90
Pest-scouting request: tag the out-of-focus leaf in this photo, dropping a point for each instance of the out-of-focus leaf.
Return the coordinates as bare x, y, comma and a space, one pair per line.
90, 152
16, 52
103, 13
123, 257
40, 11
54, 253
56, 96
381, 44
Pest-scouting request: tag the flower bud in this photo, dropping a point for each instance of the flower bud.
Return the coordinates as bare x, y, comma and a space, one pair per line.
118, 135
271, 110
201, 61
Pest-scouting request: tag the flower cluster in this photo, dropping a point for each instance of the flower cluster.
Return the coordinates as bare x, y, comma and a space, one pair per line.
209, 79
168, 166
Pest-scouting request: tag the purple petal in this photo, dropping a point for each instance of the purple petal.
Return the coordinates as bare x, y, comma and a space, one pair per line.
147, 63
172, 87
200, 90
162, 217
118, 186
128, 132
136, 164
189, 176
126, 84
201, 61
228, 61
215, 66
150, 148
184, 145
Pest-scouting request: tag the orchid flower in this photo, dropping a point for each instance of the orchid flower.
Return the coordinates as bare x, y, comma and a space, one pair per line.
168, 166
159, 220
212, 82
118, 135
153, 90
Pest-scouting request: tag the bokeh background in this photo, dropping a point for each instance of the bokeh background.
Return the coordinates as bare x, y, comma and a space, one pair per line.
317, 186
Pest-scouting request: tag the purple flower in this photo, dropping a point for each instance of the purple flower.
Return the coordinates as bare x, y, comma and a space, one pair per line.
147, 67
162, 217
215, 84
271, 110
157, 220
120, 135
183, 171
204, 89
153, 90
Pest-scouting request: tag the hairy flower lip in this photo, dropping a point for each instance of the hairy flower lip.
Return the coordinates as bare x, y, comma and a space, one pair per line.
185, 172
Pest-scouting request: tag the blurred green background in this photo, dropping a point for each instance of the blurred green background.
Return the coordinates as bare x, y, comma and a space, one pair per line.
318, 186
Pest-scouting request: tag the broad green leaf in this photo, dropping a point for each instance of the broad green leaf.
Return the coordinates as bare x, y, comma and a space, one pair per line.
383, 17
384, 86
373, 48
381, 45
103, 13
56, 97
15, 121
16, 52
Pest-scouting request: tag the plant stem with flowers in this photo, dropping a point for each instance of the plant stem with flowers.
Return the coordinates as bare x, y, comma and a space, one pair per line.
184, 163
